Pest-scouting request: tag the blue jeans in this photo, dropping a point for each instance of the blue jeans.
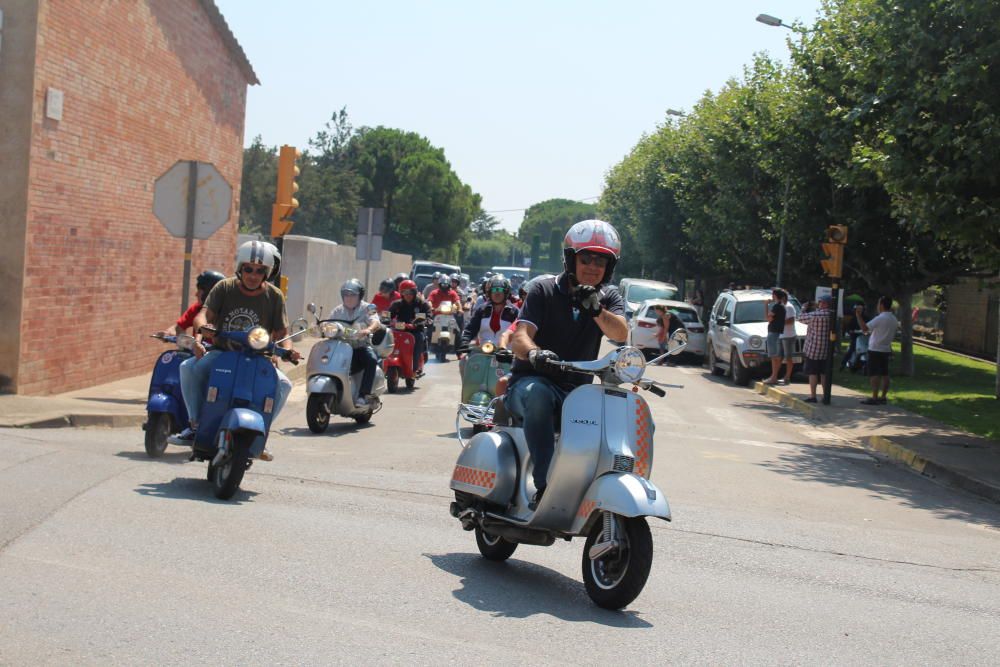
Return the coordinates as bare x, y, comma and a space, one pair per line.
365, 357
538, 401
418, 348
194, 385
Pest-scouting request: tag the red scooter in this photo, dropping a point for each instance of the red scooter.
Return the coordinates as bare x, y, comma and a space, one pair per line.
399, 364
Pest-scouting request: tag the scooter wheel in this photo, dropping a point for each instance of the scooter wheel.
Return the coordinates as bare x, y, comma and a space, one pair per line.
392, 380
492, 547
317, 414
615, 579
227, 475
158, 429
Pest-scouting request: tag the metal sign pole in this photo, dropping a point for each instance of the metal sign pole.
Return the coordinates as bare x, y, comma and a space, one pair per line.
368, 250
192, 195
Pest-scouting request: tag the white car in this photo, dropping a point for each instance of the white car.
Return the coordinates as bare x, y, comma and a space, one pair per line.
634, 291
642, 327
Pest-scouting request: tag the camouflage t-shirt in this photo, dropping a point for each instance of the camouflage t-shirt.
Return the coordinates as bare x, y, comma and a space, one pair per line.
235, 311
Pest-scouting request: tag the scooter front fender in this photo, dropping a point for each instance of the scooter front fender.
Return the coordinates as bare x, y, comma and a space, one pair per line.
321, 384
621, 493
243, 419
163, 403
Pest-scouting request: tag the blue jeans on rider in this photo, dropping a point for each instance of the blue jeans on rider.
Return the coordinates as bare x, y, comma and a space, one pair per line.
194, 385
538, 401
365, 358
418, 348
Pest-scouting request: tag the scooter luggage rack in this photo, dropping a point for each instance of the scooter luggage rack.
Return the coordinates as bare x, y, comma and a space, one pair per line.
477, 415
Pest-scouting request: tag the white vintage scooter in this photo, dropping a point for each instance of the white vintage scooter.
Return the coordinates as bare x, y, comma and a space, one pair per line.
598, 482
331, 387
446, 332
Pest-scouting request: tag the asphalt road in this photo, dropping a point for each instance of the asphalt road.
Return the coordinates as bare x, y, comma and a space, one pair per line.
787, 546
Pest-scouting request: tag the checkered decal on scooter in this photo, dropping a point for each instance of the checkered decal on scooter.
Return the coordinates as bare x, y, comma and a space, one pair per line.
484, 479
643, 439
586, 507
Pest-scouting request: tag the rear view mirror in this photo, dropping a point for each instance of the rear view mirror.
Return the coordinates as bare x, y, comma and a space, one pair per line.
677, 342
722, 322
311, 308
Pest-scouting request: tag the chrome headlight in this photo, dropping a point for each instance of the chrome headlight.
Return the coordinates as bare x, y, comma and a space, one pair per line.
630, 364
755, 341
258, 338
480, 398
488, 348
445, 308
331, 329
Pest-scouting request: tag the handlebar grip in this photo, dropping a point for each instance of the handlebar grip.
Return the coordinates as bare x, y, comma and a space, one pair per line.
657, 391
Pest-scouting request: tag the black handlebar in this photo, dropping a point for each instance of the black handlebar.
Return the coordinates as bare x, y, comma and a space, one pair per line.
657, 391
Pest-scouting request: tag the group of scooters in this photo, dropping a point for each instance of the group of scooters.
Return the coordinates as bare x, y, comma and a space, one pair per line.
243, 385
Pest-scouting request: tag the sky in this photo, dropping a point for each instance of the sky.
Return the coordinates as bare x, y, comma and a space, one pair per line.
529, 100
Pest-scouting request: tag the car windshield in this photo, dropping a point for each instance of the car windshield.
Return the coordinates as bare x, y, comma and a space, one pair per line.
749, 312
639, 293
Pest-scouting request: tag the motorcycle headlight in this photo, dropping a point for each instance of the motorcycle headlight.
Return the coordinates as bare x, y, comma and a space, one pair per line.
755, 341
480, 398
488, 348
445, 308
258, 338
630, 364
331, 329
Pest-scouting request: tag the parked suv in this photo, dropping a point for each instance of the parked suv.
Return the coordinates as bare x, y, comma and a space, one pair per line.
737, 335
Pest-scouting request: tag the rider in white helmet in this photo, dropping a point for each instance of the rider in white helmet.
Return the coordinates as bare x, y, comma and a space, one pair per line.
239, 303
563, 317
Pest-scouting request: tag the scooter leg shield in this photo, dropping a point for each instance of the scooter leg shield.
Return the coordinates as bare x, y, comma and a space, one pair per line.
621, 493
487, 468
321, 384
242, 419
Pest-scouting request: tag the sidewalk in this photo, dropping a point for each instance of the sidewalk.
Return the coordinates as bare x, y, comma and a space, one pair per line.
933, 449
116, 404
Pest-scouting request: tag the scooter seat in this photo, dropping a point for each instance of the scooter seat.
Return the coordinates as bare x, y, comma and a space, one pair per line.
503, 417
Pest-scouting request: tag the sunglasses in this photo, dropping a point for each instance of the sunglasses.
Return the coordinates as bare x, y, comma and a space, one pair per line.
409, 292
495, 290
586, 258
260, 271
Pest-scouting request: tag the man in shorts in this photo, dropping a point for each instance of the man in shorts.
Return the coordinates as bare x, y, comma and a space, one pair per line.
881, 330
788, 338
775, 327
817, 346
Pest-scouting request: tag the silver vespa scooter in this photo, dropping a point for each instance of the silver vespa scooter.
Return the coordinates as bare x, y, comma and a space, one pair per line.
598, 482
331, 387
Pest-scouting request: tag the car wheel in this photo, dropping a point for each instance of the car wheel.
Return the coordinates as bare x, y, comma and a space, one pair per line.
713, 363
737, 371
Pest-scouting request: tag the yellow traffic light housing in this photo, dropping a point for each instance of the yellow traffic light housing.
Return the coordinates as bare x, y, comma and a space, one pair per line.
836, 234
834, 260
285, 202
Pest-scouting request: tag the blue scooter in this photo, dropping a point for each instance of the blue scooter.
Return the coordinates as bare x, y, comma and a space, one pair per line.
239, 404
165, 409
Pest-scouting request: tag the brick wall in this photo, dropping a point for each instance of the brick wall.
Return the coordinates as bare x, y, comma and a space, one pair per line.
146, 83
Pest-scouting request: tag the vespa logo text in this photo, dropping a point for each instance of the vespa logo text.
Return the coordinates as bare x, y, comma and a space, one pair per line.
223, 370
588, 422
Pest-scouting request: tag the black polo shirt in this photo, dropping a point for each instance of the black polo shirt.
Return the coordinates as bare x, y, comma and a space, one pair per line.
561, 328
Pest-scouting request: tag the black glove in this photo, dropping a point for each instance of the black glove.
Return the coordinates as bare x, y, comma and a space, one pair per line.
539, 359
588, 300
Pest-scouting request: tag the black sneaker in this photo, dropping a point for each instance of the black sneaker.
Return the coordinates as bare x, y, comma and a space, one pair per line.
535, 499
184, 438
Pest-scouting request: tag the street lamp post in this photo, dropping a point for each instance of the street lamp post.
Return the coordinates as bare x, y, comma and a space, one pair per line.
784, 221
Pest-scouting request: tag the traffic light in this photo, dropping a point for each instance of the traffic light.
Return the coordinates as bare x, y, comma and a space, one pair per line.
836, 234
285, 202
834, 260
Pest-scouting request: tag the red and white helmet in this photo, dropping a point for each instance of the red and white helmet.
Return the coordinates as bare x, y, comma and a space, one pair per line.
594, 236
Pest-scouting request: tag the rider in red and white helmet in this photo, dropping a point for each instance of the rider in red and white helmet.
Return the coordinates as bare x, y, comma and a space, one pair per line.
563, 317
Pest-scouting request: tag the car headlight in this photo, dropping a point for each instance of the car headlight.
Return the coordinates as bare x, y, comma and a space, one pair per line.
755, 341
630, 364
331, 329
258, 338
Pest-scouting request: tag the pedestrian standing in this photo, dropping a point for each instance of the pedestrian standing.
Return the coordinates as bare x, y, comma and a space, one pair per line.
881, 330
775, 327
817, 346
788, 338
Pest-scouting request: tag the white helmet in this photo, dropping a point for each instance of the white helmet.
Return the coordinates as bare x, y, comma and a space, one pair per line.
255, 252
594, 236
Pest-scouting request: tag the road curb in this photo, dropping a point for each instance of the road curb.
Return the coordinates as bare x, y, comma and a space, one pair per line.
295, 374
891, 449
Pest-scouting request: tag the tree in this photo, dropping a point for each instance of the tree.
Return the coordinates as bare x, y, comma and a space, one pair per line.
257, 186
561, 214
485, 226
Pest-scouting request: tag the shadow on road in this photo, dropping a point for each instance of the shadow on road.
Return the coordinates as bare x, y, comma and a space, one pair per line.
886, 482
176, 456
518, 589
334, 430
188, 488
